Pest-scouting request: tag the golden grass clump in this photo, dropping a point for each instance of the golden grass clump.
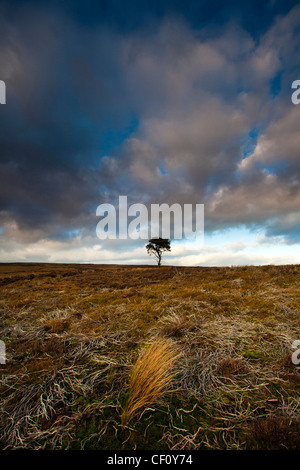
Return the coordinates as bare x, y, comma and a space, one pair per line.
151, 376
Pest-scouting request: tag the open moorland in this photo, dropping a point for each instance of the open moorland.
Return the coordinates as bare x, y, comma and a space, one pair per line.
139, 357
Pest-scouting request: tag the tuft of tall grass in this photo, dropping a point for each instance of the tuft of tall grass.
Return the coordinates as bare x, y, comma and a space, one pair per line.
151, 376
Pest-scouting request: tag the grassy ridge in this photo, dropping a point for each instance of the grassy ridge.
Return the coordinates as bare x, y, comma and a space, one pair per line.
76, 334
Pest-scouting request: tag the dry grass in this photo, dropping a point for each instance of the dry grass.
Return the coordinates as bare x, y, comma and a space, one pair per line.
74, 335
275, 433
230, 366
174, 325
151, 376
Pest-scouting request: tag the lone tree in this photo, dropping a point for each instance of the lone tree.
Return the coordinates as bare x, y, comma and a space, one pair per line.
157, 246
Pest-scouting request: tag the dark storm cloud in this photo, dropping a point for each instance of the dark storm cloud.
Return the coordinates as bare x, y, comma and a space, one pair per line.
64, 92
205, 98
255, 16
161, 107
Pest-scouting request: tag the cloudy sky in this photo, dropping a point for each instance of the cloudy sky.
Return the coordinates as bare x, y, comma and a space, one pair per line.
164, 101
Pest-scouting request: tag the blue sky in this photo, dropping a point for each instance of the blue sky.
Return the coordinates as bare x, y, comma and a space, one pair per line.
162, 101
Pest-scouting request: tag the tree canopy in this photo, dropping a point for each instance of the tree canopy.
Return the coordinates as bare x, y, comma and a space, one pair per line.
157, 246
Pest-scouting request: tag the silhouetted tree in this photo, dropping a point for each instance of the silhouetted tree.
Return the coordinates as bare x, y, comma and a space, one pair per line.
157, 246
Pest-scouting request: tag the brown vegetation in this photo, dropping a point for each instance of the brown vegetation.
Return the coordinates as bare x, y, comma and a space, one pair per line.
76, 376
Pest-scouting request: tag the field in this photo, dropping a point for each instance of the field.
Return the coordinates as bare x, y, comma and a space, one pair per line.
139, 357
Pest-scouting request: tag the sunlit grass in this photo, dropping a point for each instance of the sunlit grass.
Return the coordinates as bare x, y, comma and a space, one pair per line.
92, 354
151, 376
